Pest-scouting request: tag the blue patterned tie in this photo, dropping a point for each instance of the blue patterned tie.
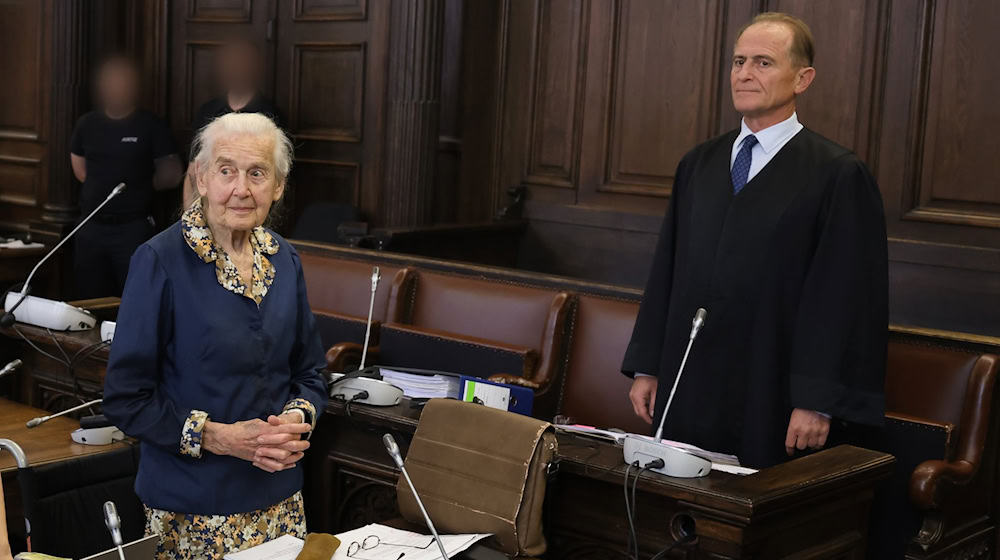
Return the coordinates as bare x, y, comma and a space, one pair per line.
741, 167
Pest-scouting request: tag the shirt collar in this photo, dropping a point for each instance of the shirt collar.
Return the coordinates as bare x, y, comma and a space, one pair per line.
198, 237
772, 137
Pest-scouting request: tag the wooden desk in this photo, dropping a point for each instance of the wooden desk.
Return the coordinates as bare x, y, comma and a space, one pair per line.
46, 383
814, 507
47, 443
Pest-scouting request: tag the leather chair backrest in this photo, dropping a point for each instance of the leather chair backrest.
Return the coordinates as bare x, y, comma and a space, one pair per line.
343, 286
594, 390
482, 308
926, 381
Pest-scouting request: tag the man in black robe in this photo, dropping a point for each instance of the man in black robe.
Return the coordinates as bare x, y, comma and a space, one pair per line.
780, 234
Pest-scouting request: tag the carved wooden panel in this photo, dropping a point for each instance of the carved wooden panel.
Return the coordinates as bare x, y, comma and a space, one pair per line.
849, 64
21, 26
327, 85
330, 10
25, 60
661, 86
956, 174
20, 179
199, 76
219, 10
556, 109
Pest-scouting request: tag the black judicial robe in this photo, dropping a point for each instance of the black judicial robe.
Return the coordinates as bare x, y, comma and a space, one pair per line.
793, 272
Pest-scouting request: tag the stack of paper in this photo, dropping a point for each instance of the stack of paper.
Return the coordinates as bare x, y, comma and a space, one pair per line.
371, 542
419, 386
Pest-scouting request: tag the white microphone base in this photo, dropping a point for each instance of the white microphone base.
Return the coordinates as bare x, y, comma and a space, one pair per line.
676, 462
49, 314
380, 393
97, 436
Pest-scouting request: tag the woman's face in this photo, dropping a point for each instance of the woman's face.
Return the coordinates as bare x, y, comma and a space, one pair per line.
239, 184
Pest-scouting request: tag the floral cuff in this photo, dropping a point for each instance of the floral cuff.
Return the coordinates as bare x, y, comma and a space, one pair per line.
191, 433
304, 406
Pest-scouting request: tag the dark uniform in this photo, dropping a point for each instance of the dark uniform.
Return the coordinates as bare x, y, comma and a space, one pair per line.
116, 150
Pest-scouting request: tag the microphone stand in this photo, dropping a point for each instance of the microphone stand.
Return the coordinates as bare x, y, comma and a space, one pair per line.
42, 419
27, 283
371, 307
393, 449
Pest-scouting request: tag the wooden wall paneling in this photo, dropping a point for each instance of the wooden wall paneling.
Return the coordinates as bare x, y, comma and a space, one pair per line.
329, 80
197, 29
24, 115
449, 149
482, 71
957, 178
413, 104
661, 99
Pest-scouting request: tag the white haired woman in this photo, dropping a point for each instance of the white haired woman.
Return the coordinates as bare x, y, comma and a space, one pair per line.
216, 362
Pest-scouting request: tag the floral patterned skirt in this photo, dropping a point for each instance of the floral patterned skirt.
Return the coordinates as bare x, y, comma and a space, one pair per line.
185, 536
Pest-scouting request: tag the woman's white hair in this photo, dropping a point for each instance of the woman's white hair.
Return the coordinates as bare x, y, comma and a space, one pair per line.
234, 124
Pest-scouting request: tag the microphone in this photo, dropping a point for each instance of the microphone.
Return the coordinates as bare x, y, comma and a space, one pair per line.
7, 318
655, 455
11, 367
696, 324
112, 522
114, 525
34, 422
371, 307
393, 449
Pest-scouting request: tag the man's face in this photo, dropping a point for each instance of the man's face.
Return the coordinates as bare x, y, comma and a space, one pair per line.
240, 183
117, 86
764, 77
238, 67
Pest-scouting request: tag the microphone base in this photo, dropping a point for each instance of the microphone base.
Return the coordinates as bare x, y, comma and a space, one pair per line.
676, 462
380, 393
49, 314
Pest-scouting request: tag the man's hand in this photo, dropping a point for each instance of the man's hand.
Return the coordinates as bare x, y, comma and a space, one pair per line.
806, 428
643, 397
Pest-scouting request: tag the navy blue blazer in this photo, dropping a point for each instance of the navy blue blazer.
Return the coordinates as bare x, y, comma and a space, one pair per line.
185, 343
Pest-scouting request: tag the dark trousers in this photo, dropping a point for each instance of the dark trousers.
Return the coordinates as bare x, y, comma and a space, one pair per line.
102, 254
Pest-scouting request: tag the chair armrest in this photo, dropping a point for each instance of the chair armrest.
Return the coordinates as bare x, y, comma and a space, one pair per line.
929, 477
515, 380
345, 356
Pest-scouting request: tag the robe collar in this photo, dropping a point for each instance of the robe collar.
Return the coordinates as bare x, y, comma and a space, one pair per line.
199, 238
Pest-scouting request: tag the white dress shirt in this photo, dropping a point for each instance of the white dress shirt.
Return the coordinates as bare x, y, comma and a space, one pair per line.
769, 142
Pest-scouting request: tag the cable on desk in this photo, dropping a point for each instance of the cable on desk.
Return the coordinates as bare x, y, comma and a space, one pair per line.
77, 389
633, 542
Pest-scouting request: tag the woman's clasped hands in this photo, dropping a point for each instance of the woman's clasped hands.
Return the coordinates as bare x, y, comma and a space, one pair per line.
273, 446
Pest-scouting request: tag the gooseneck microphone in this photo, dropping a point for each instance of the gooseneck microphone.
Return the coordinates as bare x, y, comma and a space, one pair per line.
393, 449
11, 367
7, 318
371, 307
43, 419
696, 324
114, 525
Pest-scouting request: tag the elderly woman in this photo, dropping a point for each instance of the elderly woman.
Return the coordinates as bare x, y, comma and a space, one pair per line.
216, 362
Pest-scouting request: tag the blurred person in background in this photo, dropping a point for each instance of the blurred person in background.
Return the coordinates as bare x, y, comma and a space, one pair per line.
240, 68
118, 143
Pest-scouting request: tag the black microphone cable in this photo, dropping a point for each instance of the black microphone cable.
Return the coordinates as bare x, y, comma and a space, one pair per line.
633, 542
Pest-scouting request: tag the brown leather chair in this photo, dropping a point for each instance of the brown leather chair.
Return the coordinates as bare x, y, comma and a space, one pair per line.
943, 396
339, 293
497, 317
594, 392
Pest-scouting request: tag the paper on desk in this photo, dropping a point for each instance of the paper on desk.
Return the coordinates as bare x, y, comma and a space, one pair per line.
285, 547
394, 542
